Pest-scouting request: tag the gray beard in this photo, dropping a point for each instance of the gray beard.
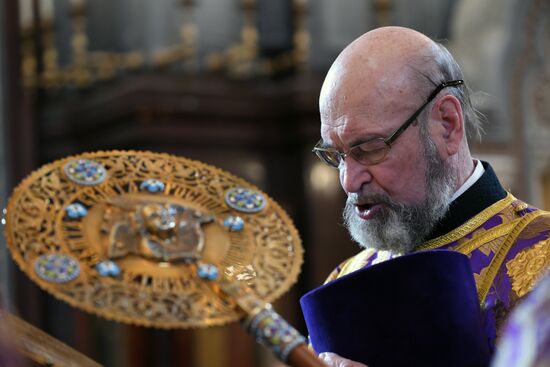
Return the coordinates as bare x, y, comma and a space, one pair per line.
400, 227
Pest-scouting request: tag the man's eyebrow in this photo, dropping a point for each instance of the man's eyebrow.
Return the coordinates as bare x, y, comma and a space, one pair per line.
359, 140
323, 144
364, 139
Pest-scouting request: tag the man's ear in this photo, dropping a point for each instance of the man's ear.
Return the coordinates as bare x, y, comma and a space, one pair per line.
449, 128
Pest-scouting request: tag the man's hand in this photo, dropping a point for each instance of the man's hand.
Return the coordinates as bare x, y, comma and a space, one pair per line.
334, 360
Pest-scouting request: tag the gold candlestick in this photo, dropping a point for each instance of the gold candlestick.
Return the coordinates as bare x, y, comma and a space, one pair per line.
79, 73
28, 63
51, 75
301, 36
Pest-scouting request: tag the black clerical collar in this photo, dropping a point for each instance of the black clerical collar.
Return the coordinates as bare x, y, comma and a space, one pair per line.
486, 191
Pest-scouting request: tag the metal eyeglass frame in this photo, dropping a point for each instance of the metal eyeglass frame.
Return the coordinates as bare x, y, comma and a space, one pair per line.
318, 150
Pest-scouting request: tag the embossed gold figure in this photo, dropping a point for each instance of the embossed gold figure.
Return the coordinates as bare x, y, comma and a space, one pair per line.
160, 231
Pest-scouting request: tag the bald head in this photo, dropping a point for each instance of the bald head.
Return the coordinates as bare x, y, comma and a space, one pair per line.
386, 48
393, 64
381, 62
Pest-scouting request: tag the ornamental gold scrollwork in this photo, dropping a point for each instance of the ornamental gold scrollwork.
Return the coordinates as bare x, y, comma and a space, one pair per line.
528, 266
150, 241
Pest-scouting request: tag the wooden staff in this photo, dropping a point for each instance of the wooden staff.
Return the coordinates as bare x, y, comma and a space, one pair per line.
43, 348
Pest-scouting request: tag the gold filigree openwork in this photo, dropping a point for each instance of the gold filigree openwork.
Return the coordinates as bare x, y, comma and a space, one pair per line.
154, 237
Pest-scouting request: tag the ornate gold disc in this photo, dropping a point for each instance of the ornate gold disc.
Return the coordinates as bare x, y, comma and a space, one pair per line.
123, 234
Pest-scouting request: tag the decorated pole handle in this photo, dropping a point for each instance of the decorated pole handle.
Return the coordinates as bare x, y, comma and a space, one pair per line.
268, 327
272, 331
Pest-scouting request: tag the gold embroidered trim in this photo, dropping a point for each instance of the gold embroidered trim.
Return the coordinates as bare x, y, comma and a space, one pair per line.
499, 257
492, 234
478, 278
467, 227
528, 266
337, 272
357, 262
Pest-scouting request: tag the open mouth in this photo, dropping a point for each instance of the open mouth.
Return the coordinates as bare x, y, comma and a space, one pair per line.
368, 210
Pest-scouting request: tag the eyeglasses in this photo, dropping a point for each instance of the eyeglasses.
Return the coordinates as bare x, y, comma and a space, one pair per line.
374, 150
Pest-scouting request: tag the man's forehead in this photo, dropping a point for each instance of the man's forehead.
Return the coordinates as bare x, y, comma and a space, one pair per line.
372, 67
360, 119
345, 132
351, 101
347, 89
379, 104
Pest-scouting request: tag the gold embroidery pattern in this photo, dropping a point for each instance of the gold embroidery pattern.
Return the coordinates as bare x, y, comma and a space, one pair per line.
497, 261
508, 215
382, 256
519, 206
478, 278
357, 262
491, 247
528, 266
542, 224
485, 238
335, 274
475, 234
467, 227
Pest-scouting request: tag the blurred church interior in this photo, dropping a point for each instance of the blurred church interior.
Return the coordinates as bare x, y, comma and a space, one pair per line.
234, 83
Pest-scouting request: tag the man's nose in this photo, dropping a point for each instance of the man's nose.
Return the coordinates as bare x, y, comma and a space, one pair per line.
353, 175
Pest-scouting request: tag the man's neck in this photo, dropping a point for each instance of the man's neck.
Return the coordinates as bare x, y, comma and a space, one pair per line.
474, 176
484, 192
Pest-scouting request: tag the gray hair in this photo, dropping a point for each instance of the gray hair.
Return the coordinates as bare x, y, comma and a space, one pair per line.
443, 67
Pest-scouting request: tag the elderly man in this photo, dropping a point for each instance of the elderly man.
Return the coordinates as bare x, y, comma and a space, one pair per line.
395, 115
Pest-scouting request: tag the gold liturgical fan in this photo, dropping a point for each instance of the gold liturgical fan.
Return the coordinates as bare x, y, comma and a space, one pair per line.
159, 241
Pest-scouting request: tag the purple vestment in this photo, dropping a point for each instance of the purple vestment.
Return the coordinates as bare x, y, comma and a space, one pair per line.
526, 338
508, 245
